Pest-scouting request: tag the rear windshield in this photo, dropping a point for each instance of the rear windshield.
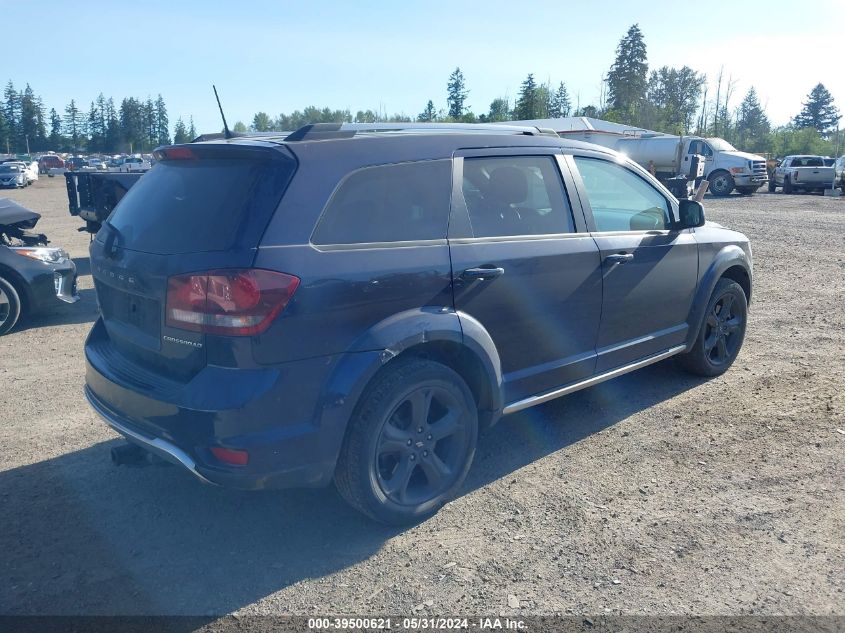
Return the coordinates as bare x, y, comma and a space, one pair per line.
185, 206
808, 161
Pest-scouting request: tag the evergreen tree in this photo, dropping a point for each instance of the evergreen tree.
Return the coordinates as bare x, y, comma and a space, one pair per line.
180, 132
429, 114
96, 135
628, 76
113, 132
192, 131
148, 116
162, 124
12, 110
55, 141
73, 125
133, 130
499, 110
102, 121
528, 103
752, 125
819, 112
28, 124
456, 94
40, 125
5, 132
559, 104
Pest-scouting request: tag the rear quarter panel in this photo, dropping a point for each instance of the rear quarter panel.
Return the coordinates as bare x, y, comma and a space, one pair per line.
344, 291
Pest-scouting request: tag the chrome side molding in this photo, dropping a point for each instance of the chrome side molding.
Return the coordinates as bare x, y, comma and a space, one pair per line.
532, 401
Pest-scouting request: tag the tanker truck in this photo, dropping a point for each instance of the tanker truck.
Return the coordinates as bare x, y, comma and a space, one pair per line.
666, 155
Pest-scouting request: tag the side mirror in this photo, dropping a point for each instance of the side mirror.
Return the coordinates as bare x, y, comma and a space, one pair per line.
691, 214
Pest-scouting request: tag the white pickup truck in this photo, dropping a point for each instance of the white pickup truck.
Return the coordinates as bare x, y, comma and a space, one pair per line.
802, 173
132, 164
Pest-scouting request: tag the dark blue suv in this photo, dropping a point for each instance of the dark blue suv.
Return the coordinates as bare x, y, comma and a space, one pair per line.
353, 304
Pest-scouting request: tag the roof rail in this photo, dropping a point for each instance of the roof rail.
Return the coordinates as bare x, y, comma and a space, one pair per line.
318, 131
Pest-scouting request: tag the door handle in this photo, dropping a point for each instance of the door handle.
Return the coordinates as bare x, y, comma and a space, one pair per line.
482, 273
619, 258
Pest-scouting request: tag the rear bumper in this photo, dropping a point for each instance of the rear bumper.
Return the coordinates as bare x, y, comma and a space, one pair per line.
164, 449
812, 186
273, 413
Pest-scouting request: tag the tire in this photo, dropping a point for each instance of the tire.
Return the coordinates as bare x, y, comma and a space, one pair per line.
721, 335
772, 185
722, 184
10, 306
787, 185
391, 467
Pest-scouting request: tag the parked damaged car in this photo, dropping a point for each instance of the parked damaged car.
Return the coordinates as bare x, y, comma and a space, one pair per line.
13, 175
33, 275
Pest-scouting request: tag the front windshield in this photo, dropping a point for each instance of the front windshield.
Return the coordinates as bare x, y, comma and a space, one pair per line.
6, 169
721, 145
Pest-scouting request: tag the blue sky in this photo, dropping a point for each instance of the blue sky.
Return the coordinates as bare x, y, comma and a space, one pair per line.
280, 56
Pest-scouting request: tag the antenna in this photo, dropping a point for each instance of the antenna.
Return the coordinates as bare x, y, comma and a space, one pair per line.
226, 132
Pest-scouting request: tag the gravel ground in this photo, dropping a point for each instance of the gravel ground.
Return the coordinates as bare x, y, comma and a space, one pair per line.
655, 493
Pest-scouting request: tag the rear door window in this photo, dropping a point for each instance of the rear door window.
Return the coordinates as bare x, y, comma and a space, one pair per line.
389, 203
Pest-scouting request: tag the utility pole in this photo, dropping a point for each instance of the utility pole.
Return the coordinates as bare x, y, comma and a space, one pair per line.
27, 143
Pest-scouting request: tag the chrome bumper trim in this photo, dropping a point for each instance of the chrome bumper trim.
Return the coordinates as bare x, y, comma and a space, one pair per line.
164, 449
532, 401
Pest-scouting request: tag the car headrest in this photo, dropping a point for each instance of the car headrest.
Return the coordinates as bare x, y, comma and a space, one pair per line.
508, 185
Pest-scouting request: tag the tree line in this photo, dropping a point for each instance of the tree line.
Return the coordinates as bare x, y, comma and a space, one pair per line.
665, 99
135, 125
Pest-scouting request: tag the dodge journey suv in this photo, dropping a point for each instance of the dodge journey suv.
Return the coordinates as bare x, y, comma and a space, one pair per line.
354, 304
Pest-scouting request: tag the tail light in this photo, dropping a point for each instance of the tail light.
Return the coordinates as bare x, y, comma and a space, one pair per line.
240, 302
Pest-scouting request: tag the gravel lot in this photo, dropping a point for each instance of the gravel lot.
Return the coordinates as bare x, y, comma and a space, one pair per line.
655, 493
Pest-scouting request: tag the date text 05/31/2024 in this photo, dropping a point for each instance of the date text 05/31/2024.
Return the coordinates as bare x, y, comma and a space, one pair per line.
415, 624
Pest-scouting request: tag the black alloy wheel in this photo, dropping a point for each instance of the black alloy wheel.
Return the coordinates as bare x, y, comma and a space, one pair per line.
722, 328
421, 447
722, 331
410, 442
